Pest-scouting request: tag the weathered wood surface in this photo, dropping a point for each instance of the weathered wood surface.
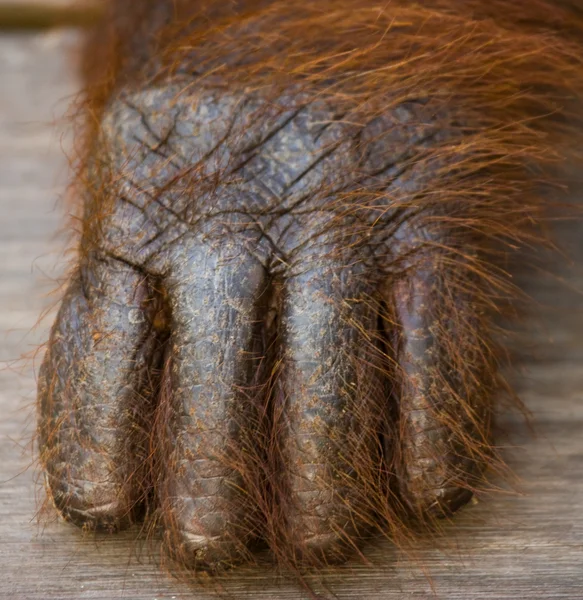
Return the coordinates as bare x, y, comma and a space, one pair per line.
521, 546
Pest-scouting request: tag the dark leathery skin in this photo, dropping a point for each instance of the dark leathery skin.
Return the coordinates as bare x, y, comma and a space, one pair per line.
439, 401
335, 405
95, 392
223, 198
216, 296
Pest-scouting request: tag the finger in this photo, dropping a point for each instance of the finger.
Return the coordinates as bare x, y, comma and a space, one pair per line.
216, 297
446, 389
95, 394
335, 397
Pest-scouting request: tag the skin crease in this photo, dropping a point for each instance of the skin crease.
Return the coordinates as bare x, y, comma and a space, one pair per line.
296, 226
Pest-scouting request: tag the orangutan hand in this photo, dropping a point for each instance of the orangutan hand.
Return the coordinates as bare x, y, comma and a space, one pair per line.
279, 326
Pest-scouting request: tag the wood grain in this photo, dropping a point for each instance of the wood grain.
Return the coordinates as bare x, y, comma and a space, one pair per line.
507, 546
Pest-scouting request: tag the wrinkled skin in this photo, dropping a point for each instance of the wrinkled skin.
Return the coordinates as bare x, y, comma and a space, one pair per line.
263, 339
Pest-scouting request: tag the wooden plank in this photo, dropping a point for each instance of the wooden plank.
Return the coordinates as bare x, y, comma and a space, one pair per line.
509, 546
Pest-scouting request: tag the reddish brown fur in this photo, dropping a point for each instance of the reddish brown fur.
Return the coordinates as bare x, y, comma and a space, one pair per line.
498, 78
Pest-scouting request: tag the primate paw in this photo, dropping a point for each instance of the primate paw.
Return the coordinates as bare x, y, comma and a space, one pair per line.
279, 329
